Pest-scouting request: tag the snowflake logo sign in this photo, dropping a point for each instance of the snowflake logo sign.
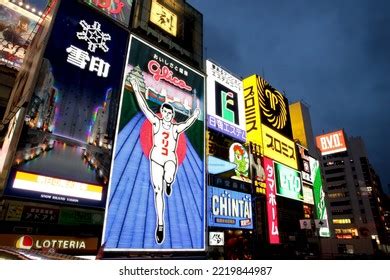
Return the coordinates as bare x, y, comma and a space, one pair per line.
94, 36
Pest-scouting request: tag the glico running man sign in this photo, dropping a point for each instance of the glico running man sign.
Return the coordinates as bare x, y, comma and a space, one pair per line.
157, 194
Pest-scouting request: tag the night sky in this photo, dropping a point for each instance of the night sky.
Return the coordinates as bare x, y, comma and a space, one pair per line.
334, 55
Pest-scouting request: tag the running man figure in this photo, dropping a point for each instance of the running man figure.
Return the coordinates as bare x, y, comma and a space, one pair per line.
163, 158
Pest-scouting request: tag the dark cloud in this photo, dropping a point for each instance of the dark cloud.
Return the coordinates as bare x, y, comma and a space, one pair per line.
332, 54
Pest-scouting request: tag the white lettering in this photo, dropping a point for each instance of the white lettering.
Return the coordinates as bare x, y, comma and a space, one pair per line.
215, 200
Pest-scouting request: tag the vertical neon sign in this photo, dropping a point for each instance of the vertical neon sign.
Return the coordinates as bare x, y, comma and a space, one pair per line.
272, 211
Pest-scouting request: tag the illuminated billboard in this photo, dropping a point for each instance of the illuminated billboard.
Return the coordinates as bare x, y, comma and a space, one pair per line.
279, 148
272, 209
118, 10
157, 191
45, 242
274, 108
257, 168
229, 209
252, 111
16, 32
64, 153
319, 196
304, 164
225, 102
308, 194
227, 158
268, 121
331, 143
289, 182
163, 18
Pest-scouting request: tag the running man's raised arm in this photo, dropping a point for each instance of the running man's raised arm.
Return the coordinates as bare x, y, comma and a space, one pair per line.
184, 125
142, 102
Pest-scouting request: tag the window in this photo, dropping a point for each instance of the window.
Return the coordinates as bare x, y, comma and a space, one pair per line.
337, 187
346, 233
345, 249
334, 179
340, 203
334, 171
338, 195
341, 212
342, 221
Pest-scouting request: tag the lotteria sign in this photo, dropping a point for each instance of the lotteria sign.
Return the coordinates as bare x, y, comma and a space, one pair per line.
39, 242
229, 209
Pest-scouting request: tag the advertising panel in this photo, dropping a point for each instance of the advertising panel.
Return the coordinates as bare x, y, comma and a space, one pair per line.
272, 210
256, 168
279, 148
304, 164
42, 242
225, 103
289, 182
163, 18
31, 213
308, 194
64, 153
16, 33
319, 197
227, 158
81, 217
118, 10
229, 209
157, 193
252, 110
331, 143
216, 238
26, 78
274, 108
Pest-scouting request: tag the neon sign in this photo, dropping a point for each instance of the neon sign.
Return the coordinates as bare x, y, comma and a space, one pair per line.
165, 74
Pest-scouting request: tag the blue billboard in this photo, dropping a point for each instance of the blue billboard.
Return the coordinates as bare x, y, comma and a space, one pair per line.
156, 198
65, 150
229, 209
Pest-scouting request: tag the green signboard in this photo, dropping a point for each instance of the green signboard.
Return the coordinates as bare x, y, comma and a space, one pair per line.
319, 196
289, 182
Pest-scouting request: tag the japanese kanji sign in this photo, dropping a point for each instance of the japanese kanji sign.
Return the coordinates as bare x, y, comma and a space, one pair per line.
64, 153
272, 211
95, 39
225, 103
163, 18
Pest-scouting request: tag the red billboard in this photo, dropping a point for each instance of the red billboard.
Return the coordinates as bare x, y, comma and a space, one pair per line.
331, 143
272, 211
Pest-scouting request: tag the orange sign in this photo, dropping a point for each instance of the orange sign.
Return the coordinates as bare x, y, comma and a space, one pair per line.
40, 242
331, 143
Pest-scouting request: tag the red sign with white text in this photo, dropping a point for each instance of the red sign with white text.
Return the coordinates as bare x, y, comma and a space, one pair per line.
272, 211
331, 143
